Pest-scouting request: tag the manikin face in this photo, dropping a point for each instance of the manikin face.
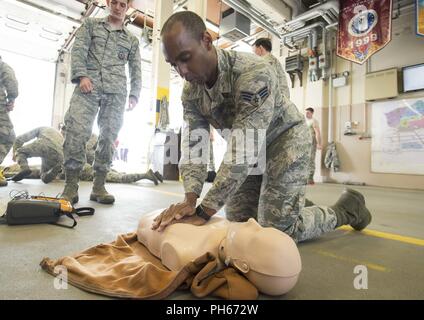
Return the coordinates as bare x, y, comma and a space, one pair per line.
189, 56
118, 8
309, 114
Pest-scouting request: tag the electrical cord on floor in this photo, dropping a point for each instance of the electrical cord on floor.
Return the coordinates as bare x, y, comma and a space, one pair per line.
19, 194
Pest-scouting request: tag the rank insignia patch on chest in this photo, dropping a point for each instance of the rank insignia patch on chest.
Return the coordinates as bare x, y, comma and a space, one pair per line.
121, 55
256, 98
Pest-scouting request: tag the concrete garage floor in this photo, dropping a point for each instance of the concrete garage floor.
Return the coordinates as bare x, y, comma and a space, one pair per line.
391, 249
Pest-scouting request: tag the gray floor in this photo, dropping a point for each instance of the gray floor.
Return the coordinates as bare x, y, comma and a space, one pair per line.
395, 267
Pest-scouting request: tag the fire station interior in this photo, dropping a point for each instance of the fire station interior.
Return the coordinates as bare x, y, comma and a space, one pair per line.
366, 90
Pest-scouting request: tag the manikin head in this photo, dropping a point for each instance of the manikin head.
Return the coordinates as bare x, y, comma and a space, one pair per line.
262, 46
268, 257
309, 112
188, 47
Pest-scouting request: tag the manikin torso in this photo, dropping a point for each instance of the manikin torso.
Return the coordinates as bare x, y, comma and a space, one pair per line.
266, 256
181, 243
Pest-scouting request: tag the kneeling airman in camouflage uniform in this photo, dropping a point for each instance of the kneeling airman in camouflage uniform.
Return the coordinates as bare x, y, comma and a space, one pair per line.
241, 92
47, 145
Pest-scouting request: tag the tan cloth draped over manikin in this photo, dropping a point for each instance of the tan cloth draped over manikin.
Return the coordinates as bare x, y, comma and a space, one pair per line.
126, 269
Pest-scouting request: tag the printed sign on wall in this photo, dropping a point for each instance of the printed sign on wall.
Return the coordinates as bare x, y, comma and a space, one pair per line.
365, 27
420, 17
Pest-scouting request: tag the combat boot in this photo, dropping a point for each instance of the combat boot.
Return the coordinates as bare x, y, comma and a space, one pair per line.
25, 171
70, 192
48, 176
211, 176
350, 209
152, 177
99, 193
21, 175
3, 181
159, 176
308, 203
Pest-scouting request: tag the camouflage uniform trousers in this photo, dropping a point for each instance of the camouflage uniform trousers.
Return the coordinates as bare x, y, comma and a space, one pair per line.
79, 122
7, 134
276, 199
313, 155
113, 176
51, 159
211, 164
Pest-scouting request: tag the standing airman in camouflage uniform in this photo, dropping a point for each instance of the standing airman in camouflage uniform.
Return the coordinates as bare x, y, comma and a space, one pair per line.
8, 94
313, 126
102, 49
263, 47
91, 148
47, 145
239, 91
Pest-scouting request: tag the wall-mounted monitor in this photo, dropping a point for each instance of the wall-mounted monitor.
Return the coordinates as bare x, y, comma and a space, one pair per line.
413, 78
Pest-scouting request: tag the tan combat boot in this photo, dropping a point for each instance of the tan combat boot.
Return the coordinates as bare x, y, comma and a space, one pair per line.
350, 209
70, 192
99, 193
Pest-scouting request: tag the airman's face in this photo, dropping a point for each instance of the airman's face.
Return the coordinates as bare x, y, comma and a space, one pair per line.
309, 114
257, 50
189, 56
118, 8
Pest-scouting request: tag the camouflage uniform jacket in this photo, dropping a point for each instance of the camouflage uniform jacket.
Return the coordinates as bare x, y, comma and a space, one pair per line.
246, 96
101, 53
49, 136
8, 85
272, 60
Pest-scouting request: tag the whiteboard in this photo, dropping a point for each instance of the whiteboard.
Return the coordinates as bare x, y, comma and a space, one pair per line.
398, 136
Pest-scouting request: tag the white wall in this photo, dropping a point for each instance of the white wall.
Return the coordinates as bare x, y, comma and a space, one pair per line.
34, 105
349, 104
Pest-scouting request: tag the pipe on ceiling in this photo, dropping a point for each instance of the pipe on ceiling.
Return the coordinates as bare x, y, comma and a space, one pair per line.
248, 12
296, 6
300, 21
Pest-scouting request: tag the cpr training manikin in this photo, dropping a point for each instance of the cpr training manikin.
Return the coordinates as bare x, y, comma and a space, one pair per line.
267, 257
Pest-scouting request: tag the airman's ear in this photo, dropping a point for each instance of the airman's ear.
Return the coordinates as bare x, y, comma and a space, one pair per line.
207, 39
241, 265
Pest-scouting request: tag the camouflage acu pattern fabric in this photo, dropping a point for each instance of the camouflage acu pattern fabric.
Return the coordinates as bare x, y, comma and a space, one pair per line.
101, 54
247, 95
113, 176
332, 157
86, 174
282, 78
211, 163
91, 148
8, 93
47, 145
313, 152
276, 199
